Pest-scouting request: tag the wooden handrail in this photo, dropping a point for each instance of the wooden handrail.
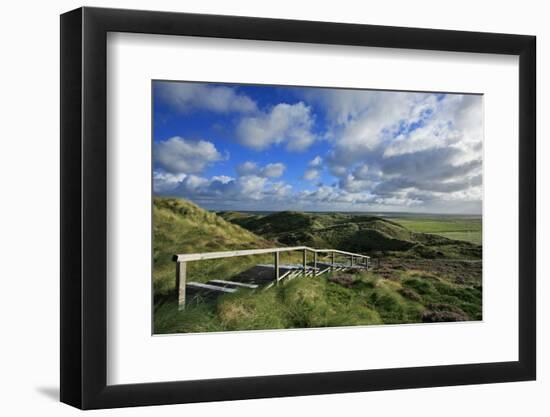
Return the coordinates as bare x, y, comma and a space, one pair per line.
341, 252
246, 252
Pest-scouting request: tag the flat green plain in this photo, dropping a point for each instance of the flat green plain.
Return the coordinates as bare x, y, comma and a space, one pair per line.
467, 229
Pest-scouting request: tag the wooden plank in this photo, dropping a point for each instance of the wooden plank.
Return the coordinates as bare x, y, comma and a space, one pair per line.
286, 274
201, 286
292, 275
333, 251
234, 283
230, 254
286, 267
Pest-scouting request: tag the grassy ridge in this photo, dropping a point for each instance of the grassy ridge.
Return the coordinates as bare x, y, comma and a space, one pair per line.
362, 233
182, 227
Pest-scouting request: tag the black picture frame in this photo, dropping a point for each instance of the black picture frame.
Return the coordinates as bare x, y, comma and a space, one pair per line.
84, 207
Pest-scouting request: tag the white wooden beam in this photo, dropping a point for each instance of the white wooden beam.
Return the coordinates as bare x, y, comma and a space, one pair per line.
181, 278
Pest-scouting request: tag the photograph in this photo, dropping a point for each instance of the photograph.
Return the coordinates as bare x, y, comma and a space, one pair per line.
292, 207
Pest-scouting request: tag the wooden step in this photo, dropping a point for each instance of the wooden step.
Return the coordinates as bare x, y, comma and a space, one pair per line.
209, 287
285, 267
233, 283
341, 265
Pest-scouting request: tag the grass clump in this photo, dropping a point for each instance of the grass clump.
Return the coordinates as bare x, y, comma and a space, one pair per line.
251, 311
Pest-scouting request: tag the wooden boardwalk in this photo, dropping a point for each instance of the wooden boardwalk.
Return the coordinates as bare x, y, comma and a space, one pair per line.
262, 276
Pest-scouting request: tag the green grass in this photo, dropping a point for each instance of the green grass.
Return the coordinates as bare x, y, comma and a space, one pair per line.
182, 227
320, 302
465, 229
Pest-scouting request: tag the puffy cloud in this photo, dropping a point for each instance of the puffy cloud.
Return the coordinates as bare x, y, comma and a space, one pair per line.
366, 122
362, 172
182, 156
437, 163
247, 168
353, 184
250, 186
314, 170
224, 189
456, 120
410, 148
311, 174
186, 96
279, 190
165, 181
271, 170
290, 124
315, 162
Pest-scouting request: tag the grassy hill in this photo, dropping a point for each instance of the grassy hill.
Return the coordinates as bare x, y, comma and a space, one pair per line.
358, 233
180, 226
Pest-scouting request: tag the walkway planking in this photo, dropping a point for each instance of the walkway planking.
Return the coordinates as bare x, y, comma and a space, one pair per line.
260, 275
263, 275
209, 287
233, 284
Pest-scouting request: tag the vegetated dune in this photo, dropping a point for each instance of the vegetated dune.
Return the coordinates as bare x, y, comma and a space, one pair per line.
180, 226
359, 233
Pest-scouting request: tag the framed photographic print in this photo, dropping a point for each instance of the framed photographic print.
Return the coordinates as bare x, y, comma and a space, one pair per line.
257, 208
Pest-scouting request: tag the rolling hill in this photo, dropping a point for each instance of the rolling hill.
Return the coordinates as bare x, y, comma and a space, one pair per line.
180, 226
351, 232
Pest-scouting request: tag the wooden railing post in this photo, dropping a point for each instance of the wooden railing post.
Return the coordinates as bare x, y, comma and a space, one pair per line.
181, 278
276, 267
305, 261
332, 264
314, 264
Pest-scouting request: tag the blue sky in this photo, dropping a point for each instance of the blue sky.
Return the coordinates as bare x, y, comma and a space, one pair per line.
250, 147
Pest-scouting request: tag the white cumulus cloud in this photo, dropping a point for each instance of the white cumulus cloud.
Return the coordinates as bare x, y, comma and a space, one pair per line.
185, 97
311, 174
288, 124
315, 162
271, 170
178, 155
